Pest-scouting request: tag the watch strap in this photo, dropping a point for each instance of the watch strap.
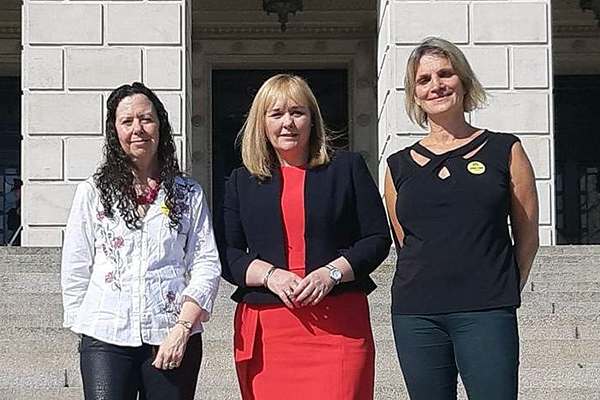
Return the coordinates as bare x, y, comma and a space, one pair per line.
186, 324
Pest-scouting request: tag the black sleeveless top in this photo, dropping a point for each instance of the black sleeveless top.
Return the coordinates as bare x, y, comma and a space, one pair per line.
457, 253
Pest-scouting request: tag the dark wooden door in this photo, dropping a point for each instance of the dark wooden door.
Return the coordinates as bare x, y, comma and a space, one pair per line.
10, 148
577, 142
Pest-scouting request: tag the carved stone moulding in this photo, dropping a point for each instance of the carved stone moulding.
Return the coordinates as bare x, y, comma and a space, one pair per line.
570, 31
271, 32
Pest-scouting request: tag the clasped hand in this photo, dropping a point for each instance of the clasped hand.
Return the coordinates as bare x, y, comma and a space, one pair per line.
296, 292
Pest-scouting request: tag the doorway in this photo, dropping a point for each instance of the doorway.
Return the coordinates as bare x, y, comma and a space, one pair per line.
576, 110
10, 157
232, 93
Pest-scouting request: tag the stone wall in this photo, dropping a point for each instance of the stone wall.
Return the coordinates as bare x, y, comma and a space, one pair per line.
74, 54
508, 45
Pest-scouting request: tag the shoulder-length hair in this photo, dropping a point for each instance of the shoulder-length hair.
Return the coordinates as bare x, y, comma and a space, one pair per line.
475, 96
258, 154
115, 176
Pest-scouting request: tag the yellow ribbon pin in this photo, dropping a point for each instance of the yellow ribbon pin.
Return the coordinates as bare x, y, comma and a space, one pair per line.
164, 209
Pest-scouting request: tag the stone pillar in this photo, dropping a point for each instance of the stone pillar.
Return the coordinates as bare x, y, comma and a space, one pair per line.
74, 54
508, 45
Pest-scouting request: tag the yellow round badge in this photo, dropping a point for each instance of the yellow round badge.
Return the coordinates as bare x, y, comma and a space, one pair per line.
476, 167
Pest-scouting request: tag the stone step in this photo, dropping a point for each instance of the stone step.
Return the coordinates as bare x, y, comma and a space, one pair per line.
13, 257
565, 276
51, 372
386, 392
382, 392
49, 283
531, 326
218, 354
60, 393
24, 276
14, 295
567, 377
541, 286
559, 326
584, 264
533, 354
28, 303
36, 310
30, 282
47, 371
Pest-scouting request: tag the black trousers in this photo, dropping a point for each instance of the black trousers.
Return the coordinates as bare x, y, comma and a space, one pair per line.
483, 346
112, 372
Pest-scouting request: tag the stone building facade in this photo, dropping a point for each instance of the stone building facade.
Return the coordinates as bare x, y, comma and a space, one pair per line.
74, 52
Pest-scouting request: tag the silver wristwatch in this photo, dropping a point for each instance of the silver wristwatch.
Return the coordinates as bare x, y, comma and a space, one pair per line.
334, 273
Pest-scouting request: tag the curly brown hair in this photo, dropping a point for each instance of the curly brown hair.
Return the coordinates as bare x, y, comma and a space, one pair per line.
115, 179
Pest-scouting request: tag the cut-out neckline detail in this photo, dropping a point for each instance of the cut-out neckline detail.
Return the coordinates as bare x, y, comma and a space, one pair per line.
419, 158
461, 150
444, 173
473, 153
425, 158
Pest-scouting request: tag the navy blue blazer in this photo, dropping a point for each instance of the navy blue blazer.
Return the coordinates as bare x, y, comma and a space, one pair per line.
344, 215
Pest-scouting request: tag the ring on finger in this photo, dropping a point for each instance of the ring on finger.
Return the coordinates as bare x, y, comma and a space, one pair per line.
288, 292
172, 365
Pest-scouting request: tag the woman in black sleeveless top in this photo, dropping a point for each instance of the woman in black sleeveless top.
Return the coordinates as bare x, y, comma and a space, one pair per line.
459, 274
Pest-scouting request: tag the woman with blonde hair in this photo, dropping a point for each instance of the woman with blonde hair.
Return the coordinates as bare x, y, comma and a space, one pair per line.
302, 228
458, 273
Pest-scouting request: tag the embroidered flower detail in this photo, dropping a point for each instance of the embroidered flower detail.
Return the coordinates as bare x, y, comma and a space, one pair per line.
101, 215
105, 249
184, 208
170, 296
118, 243
109, 278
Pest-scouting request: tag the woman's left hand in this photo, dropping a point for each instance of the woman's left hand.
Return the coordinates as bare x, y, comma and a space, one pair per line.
313, 288
171, 351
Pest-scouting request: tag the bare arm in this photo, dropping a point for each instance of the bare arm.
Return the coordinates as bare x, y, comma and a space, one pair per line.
524, 210
390, 195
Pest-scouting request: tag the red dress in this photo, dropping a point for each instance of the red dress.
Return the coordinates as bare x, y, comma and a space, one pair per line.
324, 352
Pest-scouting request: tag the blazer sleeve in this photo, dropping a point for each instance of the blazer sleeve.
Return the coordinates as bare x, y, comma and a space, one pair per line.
233, 247
374, 242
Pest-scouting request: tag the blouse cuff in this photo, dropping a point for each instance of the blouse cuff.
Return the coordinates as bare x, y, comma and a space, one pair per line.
69, 318
205, 299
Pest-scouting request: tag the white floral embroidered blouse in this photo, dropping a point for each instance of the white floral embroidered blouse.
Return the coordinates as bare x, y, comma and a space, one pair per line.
124, 286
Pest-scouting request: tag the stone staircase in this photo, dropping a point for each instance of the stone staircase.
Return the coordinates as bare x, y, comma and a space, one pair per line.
559, 328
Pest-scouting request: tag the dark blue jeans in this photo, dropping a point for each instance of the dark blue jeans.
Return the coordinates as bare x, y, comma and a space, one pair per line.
483, 346
112, 372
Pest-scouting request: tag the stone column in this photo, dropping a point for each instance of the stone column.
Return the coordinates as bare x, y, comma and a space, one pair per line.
508, 45
74, 54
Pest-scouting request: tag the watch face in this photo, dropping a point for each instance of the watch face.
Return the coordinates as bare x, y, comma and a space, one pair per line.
335, 274
187, 324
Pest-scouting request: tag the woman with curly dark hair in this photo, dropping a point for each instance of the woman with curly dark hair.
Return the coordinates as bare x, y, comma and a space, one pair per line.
140, 268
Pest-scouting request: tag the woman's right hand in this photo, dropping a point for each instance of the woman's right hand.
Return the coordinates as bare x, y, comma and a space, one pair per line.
283, 283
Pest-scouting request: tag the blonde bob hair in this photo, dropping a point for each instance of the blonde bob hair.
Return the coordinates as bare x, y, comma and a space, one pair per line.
258, 154
475, 96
